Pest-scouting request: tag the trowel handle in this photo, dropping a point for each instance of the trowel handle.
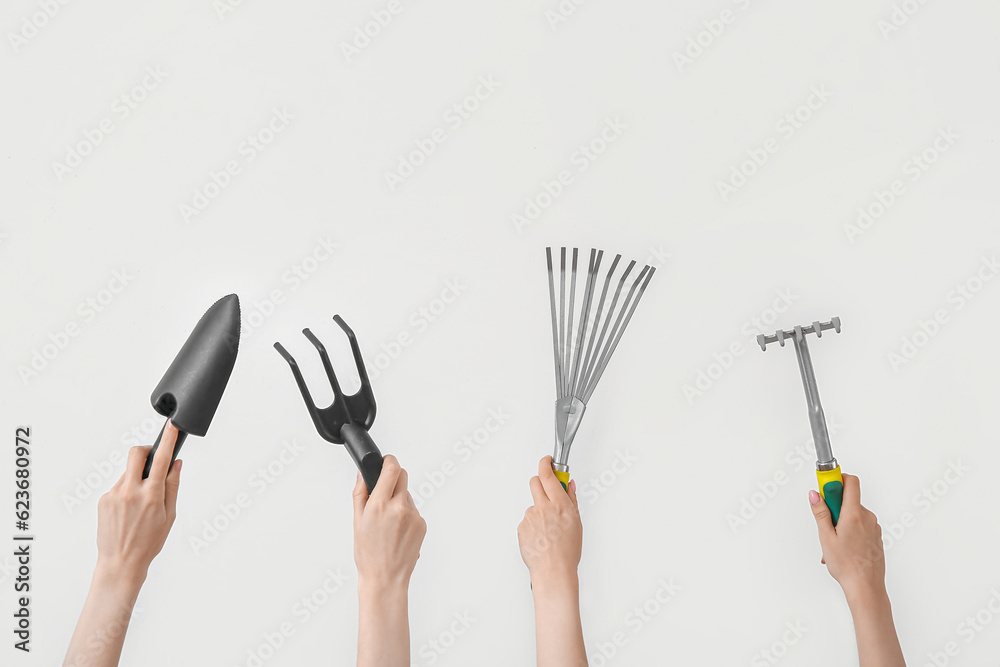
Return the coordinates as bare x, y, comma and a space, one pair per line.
364, 451
181, 435
831, 487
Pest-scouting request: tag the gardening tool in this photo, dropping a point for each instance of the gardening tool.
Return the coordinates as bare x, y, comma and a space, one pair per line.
831, 482
190, 390
345, 421
578, 371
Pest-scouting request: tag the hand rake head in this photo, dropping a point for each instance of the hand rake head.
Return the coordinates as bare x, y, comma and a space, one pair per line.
347, 419
358, 408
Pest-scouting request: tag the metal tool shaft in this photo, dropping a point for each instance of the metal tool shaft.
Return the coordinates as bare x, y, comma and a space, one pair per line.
817, 420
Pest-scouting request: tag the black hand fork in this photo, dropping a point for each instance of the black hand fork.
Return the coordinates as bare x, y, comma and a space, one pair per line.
345, 421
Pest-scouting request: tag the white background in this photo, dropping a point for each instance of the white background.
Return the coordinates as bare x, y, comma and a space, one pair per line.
653, 189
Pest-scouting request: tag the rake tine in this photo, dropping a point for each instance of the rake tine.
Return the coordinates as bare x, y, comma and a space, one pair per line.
366, 385
597, 319
329, 369
562, 319
607, 323
299, 380
616, 332
588, 298
568, 351
555, 326
648, 273
605, 354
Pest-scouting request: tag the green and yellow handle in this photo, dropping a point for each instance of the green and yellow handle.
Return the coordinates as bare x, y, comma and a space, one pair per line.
563, 477
831, 487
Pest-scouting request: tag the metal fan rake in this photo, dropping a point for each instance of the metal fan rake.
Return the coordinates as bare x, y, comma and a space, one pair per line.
582, 345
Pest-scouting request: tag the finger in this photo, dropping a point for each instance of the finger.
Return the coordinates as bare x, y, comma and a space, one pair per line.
136, 462
172, 485
823, 519
165, 452
553, 488
410, 502
386, 485
360, 498
571, 492
852, 491
537, 492
401, 482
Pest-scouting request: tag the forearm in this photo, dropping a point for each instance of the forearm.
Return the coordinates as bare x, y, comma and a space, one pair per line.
383, 625
878, 645
558, 629
100, 632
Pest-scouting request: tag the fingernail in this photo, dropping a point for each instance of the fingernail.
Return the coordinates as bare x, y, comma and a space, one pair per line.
814, 498
358, 477
572, 485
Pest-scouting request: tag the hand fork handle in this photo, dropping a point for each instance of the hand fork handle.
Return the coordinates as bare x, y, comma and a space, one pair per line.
364, 451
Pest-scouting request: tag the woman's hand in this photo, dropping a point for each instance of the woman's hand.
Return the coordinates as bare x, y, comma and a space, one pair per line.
551, 542
853, 551
133, 520
388, 532
854, 555
388, 529
135, 516
551, 534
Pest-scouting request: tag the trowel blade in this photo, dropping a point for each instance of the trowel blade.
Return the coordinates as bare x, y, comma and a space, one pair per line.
190, 390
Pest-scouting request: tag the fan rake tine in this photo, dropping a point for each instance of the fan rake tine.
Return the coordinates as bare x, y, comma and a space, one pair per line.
557, 356
646, 273
562, 319
613, 336
607, 323
568, 350
588, 359
588, 298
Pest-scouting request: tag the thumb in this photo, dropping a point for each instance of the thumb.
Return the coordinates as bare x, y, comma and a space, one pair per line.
360, 498
823, 519
171, 486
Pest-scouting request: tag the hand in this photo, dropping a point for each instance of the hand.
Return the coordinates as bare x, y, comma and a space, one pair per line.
388, 529
388, 532
135, 516
551, 541
854, 555
551, 534
853, 551
133, 520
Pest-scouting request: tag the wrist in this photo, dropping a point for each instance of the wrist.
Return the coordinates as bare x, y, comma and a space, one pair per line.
556, 586
379, 588
119, 578
867, 599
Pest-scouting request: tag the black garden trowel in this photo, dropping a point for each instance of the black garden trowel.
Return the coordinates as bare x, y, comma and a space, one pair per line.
190, 390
